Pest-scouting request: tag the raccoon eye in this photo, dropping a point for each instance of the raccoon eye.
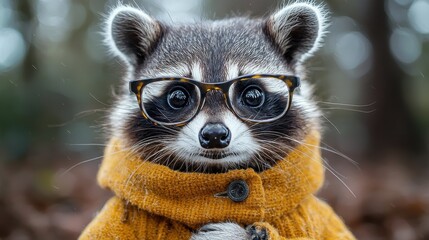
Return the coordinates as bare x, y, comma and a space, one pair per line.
177, 97
253, 96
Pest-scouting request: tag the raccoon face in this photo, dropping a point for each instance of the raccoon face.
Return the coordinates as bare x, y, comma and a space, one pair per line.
215, 139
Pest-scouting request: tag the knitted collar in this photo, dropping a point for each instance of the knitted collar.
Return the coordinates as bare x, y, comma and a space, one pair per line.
196, 198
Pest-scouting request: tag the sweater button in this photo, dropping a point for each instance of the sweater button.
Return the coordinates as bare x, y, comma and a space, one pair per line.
238, 191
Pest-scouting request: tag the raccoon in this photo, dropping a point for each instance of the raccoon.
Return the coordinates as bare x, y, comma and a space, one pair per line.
214, 96
214, 52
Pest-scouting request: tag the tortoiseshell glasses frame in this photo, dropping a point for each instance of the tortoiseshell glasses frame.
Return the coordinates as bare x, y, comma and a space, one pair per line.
136, 86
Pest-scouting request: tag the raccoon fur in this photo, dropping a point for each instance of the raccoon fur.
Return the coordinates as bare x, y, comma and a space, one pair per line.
213, 52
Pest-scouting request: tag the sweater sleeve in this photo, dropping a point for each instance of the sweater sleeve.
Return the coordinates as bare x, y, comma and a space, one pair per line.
336, 229
120, 221
329, 225
333, 225
108, 224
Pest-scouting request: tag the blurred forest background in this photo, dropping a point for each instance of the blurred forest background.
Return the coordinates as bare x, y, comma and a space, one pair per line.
56, 85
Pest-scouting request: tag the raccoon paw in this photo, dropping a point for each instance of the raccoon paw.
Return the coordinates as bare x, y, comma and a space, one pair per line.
224, 231
257, 233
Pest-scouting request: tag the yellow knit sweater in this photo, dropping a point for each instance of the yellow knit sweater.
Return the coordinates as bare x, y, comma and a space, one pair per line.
155, 202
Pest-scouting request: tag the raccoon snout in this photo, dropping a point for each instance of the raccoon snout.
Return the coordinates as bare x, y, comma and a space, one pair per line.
215, 135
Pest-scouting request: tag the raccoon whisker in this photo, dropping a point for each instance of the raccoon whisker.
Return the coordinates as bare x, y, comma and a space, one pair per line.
179, 157
256, 115
184, 164
154, 152
148, 150
99, 101
260, 160
78, 116
249, 129
330, 149
163, 114
186, 133
167, 155
230, 165
263, 146
262, 132
348, 105
342, 182
135, 109
294, 166
142, 148
204, 167
335, 173
78, 164
331, 123
256, 160
162, 129
153, 139
276, 145
270, 154
201, 166
237, 165
85, 161
132, 174
350, 110
169, 128
269, 133
327, 166
256, 126
279, 145
181, 154
87, 144
165, 128
160, 156
141, 164
260, 127
267, 159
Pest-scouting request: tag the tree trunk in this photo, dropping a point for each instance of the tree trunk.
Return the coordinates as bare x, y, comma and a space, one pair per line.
392, 129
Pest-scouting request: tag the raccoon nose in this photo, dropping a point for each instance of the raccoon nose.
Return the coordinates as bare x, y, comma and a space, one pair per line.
215, 135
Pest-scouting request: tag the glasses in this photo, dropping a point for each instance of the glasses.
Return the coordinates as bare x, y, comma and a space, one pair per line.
253, 98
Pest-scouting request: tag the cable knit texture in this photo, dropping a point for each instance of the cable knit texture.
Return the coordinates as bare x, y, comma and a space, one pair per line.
155, 202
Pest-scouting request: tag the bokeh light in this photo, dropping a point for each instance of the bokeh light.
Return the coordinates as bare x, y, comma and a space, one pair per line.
54, 23
419, 16
178, 11
352, 50
12, 48
6, 13
405, 45
403, 2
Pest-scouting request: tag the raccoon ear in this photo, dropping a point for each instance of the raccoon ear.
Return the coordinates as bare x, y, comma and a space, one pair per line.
298, 29
131, 34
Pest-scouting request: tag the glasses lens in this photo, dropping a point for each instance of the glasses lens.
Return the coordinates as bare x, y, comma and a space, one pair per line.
170, 101
259, 99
